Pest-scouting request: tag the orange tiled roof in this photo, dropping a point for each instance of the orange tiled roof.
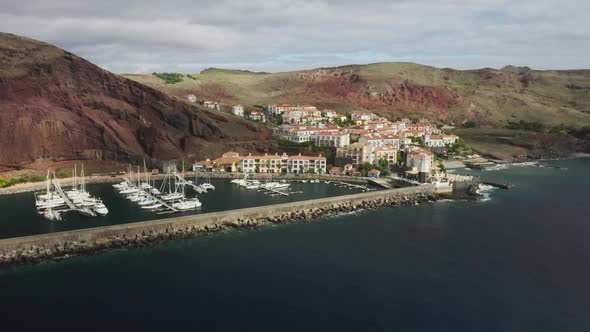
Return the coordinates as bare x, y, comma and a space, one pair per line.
227, 160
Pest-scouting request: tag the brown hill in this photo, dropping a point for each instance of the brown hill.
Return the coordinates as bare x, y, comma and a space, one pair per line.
488, 97
54, 104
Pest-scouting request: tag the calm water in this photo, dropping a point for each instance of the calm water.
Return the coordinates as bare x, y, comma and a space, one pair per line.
518, 262
19, 216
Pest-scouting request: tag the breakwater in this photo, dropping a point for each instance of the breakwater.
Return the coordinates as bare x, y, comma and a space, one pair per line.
91, 240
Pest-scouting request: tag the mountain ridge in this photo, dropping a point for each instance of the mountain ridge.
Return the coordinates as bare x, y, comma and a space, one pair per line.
54, 104
488, 97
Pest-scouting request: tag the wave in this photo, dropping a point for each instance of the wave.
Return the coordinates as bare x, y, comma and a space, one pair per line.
485, 191
526, 163
497, 167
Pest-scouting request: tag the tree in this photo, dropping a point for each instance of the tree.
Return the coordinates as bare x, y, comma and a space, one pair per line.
384, 167
460, 147
183, 166
365, 168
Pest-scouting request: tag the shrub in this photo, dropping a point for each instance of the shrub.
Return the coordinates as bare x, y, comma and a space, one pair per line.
170, 78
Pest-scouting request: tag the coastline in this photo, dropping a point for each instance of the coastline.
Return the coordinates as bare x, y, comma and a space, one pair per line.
37, 248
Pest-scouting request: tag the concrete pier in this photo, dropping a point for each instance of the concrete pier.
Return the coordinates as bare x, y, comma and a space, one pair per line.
46, 246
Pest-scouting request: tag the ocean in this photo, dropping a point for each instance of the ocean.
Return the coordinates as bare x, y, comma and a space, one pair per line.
517, 261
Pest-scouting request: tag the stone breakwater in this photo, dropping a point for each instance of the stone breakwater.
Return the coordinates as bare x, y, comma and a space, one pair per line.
36, 248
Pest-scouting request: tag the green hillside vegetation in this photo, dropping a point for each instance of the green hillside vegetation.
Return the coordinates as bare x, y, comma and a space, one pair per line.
170, 78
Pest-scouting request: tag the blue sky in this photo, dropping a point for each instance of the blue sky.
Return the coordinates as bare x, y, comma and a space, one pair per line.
189, 35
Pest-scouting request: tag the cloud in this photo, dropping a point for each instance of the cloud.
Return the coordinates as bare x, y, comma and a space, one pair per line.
277, 35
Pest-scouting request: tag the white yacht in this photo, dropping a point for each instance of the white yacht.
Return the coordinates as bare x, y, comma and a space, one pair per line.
189, 204
147, 201
121, 185
87, 212
254, 184
153, 206
127, 191
51, 215
172, 196
207, 186
101, 209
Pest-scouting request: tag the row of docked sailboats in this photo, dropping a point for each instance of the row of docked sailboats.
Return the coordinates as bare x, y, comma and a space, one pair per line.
50, 204
55, 200
256, 184
170, 195
81, 198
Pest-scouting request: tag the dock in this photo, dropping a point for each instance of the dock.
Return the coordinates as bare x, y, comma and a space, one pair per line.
147, 192
69, 203
352, 185
168, 206
184, 182
63, 195
381, 182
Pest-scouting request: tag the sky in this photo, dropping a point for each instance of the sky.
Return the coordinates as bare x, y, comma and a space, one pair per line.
143, 36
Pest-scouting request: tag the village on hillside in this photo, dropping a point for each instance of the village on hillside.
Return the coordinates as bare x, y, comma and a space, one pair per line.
358, 143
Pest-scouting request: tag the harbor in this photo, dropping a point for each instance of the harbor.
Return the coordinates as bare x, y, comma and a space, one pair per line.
46, 246
21, 218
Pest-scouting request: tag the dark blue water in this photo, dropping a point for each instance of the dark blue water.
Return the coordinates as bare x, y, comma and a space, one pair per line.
19, 217
518, 262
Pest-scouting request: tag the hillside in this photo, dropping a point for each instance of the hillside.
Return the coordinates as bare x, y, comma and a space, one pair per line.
488, 97
55, 105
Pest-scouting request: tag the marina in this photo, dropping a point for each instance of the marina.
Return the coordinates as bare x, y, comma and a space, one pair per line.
55, 200
21, 219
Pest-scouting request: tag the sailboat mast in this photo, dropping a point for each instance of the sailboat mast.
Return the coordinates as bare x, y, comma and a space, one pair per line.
83, 182
48, 185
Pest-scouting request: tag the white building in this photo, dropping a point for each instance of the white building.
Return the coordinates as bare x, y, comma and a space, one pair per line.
450, 139
419, 162
277, 109
238, 110
306, 164
257, 116
331, 139
386, 153
297, 134
212, 105
363, 117
357, 153
191, 98
434, 141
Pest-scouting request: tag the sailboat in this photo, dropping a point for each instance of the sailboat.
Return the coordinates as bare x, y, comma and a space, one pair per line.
51, 214
172, 196
207, 185
188, 204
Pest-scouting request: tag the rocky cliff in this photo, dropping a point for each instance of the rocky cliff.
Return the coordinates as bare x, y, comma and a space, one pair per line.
54, 104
